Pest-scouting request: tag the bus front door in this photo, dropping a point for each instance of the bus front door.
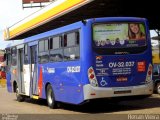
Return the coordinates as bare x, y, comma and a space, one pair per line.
33, 68
20, 70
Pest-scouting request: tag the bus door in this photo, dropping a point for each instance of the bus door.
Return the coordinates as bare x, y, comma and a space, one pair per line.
21, 69
26, 71
8, 71
33, 69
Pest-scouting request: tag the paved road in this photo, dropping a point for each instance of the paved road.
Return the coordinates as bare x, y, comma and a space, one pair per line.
9, 105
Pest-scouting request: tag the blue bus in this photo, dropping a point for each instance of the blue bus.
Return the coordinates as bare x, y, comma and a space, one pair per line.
95, 58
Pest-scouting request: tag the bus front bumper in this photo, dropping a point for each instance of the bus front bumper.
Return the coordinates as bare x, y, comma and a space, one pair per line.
91, 92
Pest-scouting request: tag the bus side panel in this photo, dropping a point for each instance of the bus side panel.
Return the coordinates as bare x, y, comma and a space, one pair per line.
72, 83
65, 80
11, 78
8, 78
14, 77
65, 77
68, 77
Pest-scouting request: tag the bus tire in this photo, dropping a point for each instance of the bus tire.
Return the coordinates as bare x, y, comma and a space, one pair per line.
158, 88
19, 97
50, 97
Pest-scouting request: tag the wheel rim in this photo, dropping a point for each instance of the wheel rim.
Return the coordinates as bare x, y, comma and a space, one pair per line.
50, 96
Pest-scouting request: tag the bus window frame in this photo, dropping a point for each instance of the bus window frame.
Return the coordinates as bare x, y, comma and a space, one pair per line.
15, 56
26, 54
73, 46
60, 36
8, 55
44, 52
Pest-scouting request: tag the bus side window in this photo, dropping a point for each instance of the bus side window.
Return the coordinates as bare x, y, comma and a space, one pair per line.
26, 60
13, 56
56, 51
43, 49
8, 59
65, 40
77, 38
71, 46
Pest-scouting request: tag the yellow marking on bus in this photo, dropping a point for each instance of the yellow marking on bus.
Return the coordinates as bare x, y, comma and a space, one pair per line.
35, 97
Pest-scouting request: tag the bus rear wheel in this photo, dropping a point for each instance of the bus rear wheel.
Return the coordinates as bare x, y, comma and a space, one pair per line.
50, 97
158, 88
19, 97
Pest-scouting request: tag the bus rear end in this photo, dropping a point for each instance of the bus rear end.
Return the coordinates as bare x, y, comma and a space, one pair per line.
121, 52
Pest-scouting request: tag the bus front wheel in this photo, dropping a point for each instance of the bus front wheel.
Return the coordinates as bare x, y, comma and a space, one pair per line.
50, 97
158, 88
19, 97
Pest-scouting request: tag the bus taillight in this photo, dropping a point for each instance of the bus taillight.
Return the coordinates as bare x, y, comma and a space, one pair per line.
149, 74
92, 77
91, 70
150, 70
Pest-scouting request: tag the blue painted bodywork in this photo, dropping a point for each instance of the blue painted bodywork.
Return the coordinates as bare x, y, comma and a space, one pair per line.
9, 85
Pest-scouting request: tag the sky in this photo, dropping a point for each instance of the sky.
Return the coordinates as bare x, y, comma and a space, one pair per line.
11, 12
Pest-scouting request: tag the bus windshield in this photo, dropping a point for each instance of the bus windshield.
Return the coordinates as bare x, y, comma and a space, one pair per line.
119, 35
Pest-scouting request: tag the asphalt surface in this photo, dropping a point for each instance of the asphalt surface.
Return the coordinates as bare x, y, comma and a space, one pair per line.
9, 105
